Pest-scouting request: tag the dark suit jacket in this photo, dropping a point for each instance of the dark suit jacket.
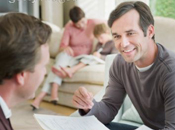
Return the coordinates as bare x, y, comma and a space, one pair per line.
4, 123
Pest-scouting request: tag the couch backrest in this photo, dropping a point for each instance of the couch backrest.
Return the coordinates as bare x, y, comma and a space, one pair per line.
165, 32
55, 39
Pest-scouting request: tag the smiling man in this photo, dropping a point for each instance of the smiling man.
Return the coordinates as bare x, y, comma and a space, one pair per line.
144, 70
23, 57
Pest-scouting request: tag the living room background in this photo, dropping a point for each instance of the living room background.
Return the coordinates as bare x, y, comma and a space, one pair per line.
56, 11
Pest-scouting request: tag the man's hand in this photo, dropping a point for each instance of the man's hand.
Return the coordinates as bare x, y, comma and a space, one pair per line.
82, 99
97, 54
69, 51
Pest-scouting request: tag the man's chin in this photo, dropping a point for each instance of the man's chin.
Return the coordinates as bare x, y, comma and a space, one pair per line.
129, 60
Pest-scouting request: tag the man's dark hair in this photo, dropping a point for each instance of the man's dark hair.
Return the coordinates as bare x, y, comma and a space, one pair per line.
146, 17
76, 14
21, 37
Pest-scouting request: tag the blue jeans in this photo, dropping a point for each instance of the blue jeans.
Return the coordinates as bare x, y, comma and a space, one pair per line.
120, 126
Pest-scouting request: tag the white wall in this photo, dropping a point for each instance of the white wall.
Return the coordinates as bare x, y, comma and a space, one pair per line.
57, 11
120, 1
99, 9
52, 11
67, 5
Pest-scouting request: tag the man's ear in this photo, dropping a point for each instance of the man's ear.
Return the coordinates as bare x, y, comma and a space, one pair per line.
20, 78
151, 31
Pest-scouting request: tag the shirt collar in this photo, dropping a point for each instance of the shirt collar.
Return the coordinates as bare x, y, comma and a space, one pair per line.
144, 68
7, 112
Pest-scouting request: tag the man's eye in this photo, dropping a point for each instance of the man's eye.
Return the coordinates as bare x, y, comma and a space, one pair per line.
129, 34
117, 36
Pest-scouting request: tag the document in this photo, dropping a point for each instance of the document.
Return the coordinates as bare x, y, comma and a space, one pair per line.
143, 127
87, 59
51, 122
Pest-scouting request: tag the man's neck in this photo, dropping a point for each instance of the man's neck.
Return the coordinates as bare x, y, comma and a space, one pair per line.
7, 93
150, 56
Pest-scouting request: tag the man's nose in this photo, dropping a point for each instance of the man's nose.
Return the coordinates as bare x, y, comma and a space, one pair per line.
124, 42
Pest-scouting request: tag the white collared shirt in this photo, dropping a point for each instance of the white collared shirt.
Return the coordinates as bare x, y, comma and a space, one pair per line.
7, 112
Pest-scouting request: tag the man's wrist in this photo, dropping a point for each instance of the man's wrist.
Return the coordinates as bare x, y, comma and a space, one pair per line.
86, 110
83, 111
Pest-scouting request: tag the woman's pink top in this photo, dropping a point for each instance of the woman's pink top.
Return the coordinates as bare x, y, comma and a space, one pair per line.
79, 40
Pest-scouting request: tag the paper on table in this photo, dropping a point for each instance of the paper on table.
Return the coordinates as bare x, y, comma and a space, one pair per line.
50, 122
143, 127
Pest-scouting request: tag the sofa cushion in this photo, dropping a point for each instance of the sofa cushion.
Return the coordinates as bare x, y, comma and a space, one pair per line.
71, 87
132, 115
93, 74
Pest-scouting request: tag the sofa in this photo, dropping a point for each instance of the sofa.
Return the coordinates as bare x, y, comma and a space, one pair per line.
91, 77
164, 30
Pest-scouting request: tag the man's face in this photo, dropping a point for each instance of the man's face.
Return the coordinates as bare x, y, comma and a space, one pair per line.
34, 79
81, 24
129, 38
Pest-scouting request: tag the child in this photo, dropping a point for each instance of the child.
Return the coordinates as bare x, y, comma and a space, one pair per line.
105, 44
104, 47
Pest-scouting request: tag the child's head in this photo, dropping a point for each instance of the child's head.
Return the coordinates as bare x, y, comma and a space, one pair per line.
102, 33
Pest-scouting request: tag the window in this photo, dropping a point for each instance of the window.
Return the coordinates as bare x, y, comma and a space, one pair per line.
165, 8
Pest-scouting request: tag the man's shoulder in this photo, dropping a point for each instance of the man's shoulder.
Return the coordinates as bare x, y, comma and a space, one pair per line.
166, 57
119, 64
164, 51
119, 59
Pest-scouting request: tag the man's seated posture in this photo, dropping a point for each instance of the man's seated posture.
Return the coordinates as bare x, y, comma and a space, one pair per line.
144, 70
24, 55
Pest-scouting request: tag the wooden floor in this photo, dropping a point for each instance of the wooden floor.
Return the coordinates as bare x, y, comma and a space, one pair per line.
56, 108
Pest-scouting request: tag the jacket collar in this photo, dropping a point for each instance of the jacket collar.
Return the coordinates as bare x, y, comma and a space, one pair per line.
5, 122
